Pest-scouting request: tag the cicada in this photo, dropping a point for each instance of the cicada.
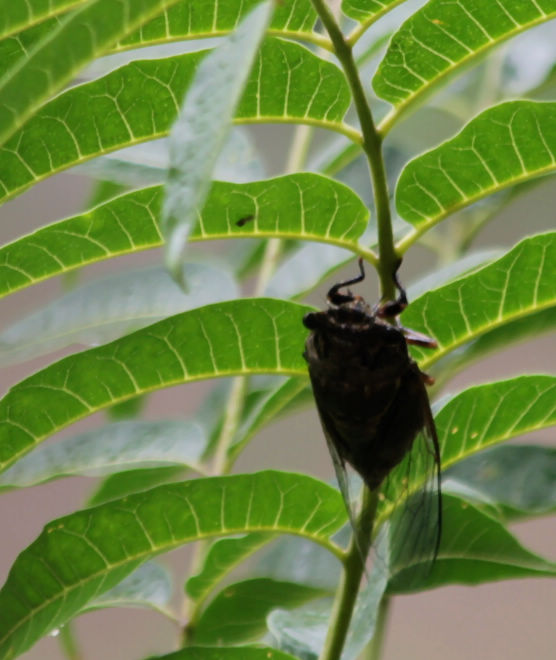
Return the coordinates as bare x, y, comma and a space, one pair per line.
371, 395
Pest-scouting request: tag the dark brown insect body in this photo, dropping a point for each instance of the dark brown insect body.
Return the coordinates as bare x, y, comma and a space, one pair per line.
370, 394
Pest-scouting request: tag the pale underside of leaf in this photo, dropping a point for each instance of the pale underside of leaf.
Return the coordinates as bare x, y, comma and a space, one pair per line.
518, 479
237, 613
199, 133
117, 447
105, 309
476, 548
150, 586
304, 632
227, 653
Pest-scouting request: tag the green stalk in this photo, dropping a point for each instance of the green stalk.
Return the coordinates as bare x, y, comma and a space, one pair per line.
348, 588
388, 262
372, 146
68, 642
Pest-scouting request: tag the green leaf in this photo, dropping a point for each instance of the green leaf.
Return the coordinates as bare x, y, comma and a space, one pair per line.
127, 409
222, 556
209, 342
286, 85
475, 419
149, 586
289, 558
362, 10
15, 16
443, 38
83, 35
519, 479
461, 266
238, 613
134, 481
86, 553
202, 18
503, 336
488, 414
101, 311
201, 128
306, 206
223, 653
113, 448
504, 145
519, 284
17, 46
475, 548
195, 19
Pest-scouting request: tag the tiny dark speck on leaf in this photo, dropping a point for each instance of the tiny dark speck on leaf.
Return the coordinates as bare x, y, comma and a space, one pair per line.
245, 220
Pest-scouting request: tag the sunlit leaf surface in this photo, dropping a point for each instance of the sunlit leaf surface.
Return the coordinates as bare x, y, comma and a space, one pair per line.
519, 284
209, 342
503, 146
19, 15
287, 84
444, 37
306, 206
86, 33
78, 557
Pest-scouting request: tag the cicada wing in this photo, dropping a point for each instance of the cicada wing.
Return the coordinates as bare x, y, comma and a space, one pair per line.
339, 464
411, 536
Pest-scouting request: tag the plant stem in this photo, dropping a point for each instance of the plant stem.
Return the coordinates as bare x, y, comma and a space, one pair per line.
234, 408
372, 146
272, 252
68, 642
221, 465
388, 263
348, 588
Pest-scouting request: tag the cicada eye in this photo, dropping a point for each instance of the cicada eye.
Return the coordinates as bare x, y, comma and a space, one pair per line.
311, 320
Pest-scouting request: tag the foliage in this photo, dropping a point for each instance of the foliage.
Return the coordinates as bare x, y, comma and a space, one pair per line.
293, 62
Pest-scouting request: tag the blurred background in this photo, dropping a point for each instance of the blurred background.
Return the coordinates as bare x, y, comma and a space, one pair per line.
506, 620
